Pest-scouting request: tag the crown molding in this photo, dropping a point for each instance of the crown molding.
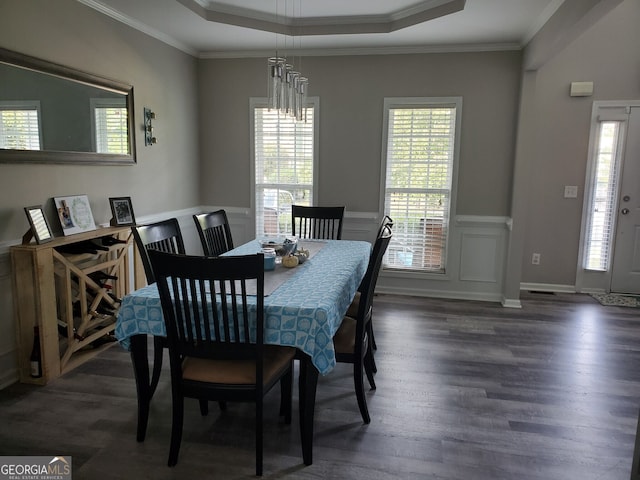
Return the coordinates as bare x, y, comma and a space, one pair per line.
141, 27
329, 25
401, 50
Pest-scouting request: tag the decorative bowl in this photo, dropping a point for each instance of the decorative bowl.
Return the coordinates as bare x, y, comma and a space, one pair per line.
283, 245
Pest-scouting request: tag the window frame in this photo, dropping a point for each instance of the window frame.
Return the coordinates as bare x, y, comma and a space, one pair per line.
96, 103
424, 102
612, 206
20, 105
262, 102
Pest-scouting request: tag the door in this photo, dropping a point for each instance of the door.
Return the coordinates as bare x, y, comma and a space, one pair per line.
625, 275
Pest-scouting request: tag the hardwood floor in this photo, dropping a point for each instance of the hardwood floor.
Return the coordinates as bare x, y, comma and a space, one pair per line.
466, 390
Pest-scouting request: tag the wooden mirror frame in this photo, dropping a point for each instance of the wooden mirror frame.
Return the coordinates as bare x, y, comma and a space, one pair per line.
76, 157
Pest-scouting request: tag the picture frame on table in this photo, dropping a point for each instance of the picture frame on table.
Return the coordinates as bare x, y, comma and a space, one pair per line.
122, 211
40, 229
74, 213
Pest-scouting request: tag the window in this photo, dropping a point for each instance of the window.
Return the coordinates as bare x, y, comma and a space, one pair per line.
110, 125
284, 165
420, 151
20, 125
603, 197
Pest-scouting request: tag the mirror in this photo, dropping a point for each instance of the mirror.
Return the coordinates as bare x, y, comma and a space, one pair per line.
54, 114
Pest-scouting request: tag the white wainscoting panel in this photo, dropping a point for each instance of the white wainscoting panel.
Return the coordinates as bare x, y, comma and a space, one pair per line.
479, 257
475, 267
8, 345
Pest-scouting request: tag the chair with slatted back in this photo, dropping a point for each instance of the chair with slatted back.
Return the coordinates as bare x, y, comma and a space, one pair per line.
216, 337
387, 222
352, 341
214, 232
317, 222
164, 236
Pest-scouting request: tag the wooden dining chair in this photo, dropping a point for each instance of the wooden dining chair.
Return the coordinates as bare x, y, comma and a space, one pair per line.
214, 232
387, 222
164, 236
317, 222
352, 340
216, 337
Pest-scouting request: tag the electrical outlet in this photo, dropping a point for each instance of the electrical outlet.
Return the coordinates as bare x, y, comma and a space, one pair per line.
535, 259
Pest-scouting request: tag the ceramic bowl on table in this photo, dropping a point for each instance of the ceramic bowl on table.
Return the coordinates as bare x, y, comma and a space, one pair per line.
282, 245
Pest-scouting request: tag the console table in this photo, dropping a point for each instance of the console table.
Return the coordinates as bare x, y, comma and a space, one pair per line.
57, 292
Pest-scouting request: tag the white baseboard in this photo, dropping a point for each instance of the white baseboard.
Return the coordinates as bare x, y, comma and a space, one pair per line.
450, 294
511, 303
547, 287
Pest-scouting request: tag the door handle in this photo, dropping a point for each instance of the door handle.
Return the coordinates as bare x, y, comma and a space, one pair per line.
624, 211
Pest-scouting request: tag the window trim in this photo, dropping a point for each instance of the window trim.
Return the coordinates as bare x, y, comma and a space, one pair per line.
618, 156
262, 102
26, 105
422, 102
104, 102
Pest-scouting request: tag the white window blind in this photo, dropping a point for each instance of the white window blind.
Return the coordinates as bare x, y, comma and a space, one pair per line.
604, 193
20, 126
419, 165
284, 168
111, 129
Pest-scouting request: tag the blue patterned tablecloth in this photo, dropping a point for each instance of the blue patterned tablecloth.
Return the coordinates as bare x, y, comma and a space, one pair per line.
304, 312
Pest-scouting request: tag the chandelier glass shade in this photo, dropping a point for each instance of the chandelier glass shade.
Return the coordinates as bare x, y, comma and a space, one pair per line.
287, 88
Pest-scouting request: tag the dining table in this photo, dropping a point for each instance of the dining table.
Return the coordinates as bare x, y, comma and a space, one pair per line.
303, 308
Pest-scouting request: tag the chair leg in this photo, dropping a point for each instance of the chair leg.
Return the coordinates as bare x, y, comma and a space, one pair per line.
223, 406
373, 339
259, 436
158, 349
374, 367
176, 427
369, 364
359, 386
286, 392
204, 407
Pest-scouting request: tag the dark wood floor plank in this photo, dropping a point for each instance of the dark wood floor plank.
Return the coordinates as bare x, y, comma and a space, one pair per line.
466, 390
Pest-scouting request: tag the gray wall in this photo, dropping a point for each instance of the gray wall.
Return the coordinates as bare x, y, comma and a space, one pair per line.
202, 157
351, 92
607, 53
164, 79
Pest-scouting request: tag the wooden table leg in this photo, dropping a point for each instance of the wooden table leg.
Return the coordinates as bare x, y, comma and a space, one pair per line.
307, 394
141, 371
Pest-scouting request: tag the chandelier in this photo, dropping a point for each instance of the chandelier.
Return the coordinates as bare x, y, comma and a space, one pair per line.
287, 88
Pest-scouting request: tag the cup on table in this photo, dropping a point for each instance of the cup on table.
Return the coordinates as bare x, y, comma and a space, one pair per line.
269, 258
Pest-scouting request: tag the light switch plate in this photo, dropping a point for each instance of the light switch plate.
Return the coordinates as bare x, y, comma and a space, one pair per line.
570, 191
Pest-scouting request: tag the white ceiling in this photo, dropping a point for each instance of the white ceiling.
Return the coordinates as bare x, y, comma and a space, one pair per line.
241, 28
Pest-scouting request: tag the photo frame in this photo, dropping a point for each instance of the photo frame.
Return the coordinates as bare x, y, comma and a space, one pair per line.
122, 211
74, 213
40, 229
